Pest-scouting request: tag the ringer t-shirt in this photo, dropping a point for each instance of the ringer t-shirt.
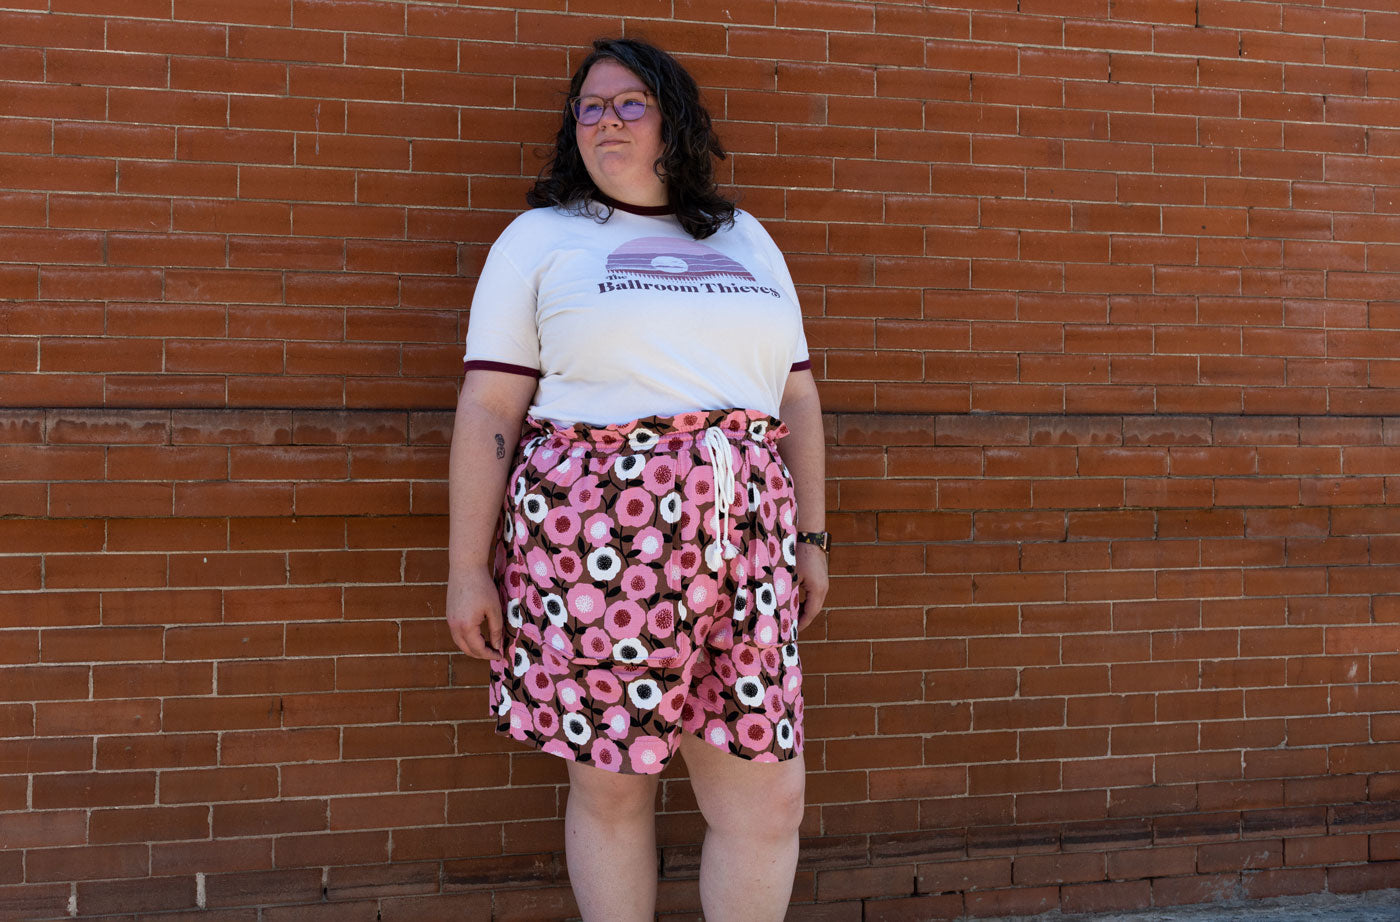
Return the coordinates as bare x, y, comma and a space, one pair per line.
632, 317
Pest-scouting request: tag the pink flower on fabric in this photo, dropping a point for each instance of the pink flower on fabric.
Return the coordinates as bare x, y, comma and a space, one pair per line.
765, 631
709, 692
764, 757
717, 734
561, 525
603, 685
724, 668
648, 755
566, 472
567, 566
671, 703
661, 620
569, 694
773, 707
598, 529
625, 619
700, 595
691, 716
556, 640
700, 485
546, 721
745, 659
519, 721
584, 494
586, 602
638, 581
514, 578
782, 584
561, 749
754, 732
539, 684
596, 644
648, 544
690, 520
540, 567
792, 685
634, 507
659, 476
767, 513
554, 664
605, 755
771, 659
616, 721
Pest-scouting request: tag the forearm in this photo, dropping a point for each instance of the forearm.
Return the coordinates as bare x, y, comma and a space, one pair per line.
484, 439
804, 453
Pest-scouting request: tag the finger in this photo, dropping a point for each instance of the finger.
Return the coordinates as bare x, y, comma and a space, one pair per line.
497, 634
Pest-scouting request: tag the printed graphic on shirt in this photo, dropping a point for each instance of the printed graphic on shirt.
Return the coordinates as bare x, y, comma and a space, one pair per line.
677, 264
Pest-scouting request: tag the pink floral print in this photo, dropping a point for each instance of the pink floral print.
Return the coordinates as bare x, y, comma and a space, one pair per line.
627, 624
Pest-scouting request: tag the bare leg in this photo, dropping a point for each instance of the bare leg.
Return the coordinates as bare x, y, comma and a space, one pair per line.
753, 810
610, 842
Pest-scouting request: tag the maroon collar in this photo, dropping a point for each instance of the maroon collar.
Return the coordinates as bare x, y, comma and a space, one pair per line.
649, 210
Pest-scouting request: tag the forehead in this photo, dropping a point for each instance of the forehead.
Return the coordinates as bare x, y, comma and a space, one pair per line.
607, 77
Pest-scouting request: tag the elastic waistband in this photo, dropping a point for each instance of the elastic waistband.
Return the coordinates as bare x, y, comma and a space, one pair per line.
669, 433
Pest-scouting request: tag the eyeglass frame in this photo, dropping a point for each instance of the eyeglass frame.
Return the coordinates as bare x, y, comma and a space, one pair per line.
608, 103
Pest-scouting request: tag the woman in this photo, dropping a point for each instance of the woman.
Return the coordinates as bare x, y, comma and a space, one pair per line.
632, 339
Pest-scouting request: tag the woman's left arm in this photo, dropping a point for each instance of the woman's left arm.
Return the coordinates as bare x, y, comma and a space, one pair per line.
804, 453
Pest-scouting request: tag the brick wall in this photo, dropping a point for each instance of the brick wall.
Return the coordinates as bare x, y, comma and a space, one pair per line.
1102, 301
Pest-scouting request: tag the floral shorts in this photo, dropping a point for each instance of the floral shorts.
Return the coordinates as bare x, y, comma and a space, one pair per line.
647, 575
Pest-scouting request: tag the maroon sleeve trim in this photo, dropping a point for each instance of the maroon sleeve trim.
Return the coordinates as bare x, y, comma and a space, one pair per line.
802, 365
485, 365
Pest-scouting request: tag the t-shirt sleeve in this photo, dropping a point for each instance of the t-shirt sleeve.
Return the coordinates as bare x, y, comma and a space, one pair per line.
773, 258
502, 332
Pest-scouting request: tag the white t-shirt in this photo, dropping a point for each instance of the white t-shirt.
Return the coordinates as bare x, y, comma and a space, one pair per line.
632, 317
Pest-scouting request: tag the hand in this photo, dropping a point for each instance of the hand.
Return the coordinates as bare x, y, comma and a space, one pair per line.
811, 582
474, 612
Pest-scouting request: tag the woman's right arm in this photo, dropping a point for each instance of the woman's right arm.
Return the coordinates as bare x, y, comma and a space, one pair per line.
490, 411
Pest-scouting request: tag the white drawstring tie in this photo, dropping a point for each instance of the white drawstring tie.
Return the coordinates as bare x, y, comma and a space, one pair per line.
723, 464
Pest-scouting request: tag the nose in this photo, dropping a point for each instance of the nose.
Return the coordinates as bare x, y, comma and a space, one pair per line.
610, 113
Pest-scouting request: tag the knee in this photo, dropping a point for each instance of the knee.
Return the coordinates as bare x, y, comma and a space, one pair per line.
771, 810
607, 796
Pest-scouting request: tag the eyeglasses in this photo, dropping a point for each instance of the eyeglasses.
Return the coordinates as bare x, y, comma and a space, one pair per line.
628, 106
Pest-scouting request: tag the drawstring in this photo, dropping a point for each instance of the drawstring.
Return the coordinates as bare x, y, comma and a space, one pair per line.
723, 465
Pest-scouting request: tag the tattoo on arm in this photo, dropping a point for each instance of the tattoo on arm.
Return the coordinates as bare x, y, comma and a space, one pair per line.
500, 445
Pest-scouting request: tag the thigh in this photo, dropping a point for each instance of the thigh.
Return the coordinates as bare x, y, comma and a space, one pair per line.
732, 790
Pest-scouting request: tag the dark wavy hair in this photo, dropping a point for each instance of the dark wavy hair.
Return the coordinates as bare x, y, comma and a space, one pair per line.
687, 163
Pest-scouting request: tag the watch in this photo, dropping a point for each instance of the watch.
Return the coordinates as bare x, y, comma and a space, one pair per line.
821, 539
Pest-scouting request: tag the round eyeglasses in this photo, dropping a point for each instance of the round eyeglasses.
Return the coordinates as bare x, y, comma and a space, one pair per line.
628, 106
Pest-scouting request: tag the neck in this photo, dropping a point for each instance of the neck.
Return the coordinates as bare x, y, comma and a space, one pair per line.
603, 198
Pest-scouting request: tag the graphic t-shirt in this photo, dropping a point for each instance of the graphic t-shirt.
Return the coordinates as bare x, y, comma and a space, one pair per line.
633, 317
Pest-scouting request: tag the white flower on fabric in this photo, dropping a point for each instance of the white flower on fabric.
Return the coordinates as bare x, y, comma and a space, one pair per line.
749, 690
766, 599
513, 616
670, 506
604, 564
789, 654
507, 528
784, 729
577, 729
741, 603
519, 493
629, 650
790, 549
758, 428
642, 439
629, 467
555, 609
521, 664
681, 613
755, 496
535, 508
503, 708
644, 694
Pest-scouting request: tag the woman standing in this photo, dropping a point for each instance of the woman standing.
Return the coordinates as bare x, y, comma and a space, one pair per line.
634, 341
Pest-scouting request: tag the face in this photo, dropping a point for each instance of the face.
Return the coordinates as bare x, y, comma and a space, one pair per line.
620, 156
